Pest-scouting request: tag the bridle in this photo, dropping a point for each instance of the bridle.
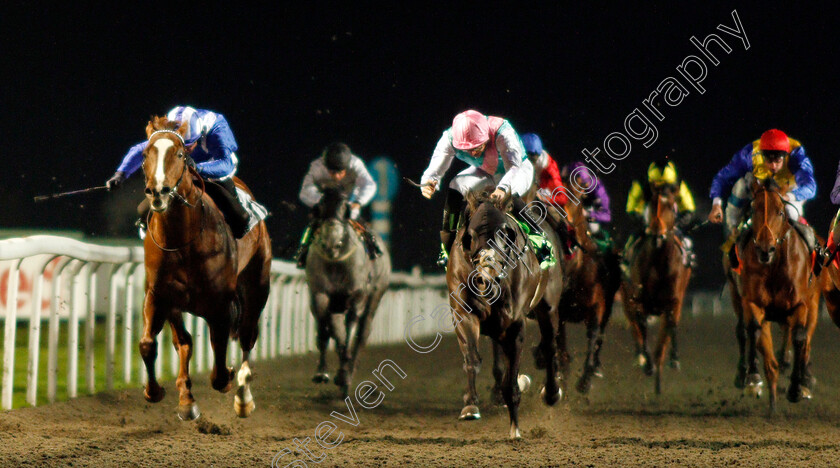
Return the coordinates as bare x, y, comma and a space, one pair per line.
189, 164
765, 225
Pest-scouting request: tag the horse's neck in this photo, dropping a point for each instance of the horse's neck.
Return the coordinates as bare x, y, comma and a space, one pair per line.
181, 222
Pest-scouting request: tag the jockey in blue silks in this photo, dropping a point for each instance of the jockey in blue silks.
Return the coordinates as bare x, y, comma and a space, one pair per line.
212, 147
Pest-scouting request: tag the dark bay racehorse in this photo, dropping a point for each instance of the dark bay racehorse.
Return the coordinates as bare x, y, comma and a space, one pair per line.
775, 284
193, 263
658, 278
592, 278
830, 276
494, 281
345, 286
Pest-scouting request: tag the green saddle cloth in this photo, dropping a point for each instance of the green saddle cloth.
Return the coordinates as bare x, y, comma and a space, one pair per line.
540, 244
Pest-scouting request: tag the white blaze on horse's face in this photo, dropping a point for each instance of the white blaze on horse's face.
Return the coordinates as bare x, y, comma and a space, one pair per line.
162, 145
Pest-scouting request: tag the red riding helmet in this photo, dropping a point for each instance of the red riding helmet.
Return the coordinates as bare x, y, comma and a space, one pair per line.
774, 140
470, 129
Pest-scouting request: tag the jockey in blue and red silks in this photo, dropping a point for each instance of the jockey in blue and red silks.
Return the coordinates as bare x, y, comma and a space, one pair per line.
497, 160
211, 145
596, 201
773, 155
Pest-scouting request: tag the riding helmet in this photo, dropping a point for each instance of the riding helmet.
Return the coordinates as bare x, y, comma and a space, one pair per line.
337, 157
470, 129
532, 143
774, 140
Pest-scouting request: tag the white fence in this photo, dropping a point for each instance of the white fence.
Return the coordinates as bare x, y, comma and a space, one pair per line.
49, 278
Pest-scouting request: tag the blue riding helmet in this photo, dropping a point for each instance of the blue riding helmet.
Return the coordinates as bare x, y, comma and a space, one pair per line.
532, 142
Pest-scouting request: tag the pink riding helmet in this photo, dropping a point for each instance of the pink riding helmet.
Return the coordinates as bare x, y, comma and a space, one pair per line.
470, 130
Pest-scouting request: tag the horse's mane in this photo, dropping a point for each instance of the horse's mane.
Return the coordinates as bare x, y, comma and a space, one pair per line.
333, 192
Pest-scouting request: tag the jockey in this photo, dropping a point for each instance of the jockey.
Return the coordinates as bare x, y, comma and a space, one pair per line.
549, 183
661, 174
338, 165
496, 157
596, 202
773, 155
211, 145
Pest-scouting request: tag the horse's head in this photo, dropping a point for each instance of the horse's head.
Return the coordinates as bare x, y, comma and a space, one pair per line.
769, 220
663, 212
484, 236
332, 236
165, 162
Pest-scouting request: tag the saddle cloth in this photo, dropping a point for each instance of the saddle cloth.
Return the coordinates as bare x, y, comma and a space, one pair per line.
255, 211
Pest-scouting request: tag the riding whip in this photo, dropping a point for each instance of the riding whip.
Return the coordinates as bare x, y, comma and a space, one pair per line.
41, 198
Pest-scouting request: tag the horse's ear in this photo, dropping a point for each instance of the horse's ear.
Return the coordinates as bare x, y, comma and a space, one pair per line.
150, 128
184, 128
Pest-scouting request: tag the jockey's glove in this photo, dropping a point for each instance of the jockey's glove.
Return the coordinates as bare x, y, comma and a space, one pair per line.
116, 180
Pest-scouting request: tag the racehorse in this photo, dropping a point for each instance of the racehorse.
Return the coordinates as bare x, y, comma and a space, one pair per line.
592, 278
345, 286
830, 276
495, 281
656, 284
193, 263
775, 284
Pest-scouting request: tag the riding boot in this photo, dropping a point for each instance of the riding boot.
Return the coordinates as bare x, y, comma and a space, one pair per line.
223, 193
142, 215
451, 215
810, 238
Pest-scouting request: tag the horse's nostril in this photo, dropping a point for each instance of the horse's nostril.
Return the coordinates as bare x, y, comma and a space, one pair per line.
165, 190
148, 191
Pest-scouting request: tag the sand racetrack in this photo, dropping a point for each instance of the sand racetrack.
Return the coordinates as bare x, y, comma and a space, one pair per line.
700, 420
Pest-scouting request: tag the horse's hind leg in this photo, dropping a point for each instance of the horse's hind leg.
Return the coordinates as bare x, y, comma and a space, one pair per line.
638, 326
254, 285
585, 381
512, 346
153, 320
363, 328
467, 330
783, 356
181, 339
221, 377
740, 335
798, 389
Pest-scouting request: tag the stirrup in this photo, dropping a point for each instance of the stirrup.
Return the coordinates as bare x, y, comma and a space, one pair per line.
443, 257
141, 226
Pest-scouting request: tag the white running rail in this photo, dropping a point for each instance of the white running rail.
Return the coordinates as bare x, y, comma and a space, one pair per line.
61, 280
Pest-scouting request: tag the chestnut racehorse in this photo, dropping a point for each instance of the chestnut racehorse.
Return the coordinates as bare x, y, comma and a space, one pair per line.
593, 278
494, 281
775, 284
193, 263
658, 278
830, 276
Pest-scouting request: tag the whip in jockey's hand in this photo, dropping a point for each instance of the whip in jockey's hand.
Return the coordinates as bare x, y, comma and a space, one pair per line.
429, 189
716, 215
498, 197
115, 181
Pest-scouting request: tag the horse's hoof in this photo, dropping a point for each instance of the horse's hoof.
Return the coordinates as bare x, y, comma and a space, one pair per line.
597, 372
514, 432
341, 378
243, 410
754, 386
222, 384
470, 413
648, 368
583, 385
551, 399
795, 395
188, 412
524, 383
641, 360
675, 364
321, 377
156, 395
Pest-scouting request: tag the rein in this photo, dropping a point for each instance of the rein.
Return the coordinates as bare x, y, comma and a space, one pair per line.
344, 256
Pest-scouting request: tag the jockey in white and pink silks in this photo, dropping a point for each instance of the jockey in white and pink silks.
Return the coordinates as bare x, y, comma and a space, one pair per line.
496, 158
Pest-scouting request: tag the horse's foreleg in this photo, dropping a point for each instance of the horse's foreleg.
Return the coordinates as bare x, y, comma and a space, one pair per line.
318, 307
666, 331
498, 373
181, 339
741, 335
753, 319
221, 377
467, 331
363, 328
640, 330
771, 367
783, 356
563, 358
154, 317
512, 346
585, 381
548, 320
339, 327
602, 327
798, 389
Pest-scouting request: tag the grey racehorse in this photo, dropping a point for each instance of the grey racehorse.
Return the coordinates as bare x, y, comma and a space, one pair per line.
345, 286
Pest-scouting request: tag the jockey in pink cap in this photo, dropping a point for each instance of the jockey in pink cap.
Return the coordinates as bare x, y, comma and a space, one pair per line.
496, 158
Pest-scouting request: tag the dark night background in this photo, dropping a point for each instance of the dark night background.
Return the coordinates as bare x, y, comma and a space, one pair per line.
80, 83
